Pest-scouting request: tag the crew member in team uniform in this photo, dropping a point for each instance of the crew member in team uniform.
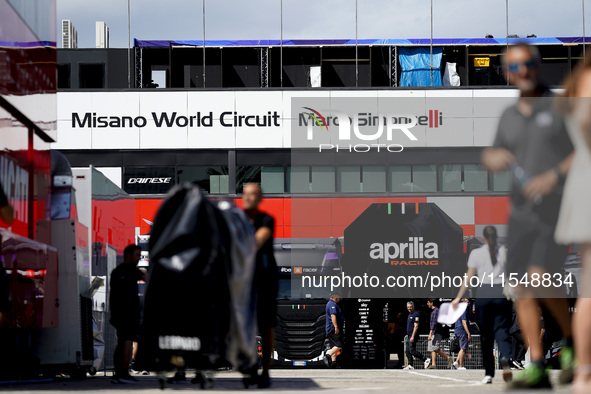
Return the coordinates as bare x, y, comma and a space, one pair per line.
334, 329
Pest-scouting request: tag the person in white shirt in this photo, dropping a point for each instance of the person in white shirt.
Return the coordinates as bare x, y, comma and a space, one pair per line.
574, 221
493, 310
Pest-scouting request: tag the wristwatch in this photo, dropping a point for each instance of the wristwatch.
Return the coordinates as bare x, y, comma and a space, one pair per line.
559, 174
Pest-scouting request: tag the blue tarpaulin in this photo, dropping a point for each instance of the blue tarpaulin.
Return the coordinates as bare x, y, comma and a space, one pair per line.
417, 67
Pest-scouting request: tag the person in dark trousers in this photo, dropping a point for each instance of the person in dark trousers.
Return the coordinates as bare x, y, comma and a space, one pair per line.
7, 215
462, 332
6, 211
266, 275
334, 329
517, 342
493, 310
125, 311
396, 335
532, 141
412, 336
141, 287
435, 337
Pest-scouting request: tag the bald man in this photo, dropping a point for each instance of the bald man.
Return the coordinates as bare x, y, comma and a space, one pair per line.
266, 276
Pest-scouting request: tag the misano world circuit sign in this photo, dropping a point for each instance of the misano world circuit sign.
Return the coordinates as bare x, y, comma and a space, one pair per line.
174, 119
349, 127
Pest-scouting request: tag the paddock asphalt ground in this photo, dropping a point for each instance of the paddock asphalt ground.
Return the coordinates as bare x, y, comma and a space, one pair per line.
296, 380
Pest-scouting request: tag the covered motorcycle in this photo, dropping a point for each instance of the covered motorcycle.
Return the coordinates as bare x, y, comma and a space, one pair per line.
199, 303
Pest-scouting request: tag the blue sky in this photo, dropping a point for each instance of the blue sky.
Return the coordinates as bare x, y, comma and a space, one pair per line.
259, 19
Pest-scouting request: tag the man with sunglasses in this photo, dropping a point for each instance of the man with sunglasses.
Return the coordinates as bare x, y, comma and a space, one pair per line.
533, 143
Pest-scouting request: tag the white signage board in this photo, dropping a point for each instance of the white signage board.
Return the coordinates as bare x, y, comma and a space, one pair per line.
157, 119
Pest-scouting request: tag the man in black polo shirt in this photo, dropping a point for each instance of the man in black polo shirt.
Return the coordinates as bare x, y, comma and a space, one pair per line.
533, 142
125, 311
266, 276
412, 337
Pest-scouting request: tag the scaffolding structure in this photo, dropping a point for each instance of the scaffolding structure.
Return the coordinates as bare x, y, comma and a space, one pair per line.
138, 68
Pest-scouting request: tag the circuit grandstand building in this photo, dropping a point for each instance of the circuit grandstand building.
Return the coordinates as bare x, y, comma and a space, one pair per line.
227, 112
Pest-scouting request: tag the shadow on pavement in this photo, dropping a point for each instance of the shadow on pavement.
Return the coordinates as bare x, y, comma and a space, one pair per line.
151, 383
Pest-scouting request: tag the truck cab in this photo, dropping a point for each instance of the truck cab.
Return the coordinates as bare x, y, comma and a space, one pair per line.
300, 331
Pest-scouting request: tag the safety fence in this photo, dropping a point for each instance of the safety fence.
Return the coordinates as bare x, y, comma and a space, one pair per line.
472, 359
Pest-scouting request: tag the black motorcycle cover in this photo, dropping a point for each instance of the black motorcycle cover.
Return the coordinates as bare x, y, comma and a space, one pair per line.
242, 348
187, 312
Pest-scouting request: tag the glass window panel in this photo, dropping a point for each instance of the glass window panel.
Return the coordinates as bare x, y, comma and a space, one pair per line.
298, 180
400, 179
502, 181
323, 180
450, 177
212, 179
224, 184
424, 178
272, 180
214, 184
475, 178
374, 179
247, 174
349, 179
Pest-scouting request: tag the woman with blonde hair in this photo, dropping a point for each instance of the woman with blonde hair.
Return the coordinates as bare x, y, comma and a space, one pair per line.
574, 222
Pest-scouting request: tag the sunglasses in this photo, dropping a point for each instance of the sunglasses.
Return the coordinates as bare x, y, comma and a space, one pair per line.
514, 67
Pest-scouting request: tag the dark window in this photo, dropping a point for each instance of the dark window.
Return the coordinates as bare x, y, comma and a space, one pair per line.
297, 65
271, 178
463, 177
450, 177
241, 68
298, 179
424, 178
401, 179
416, 178
92, 76
374, 179
502, 181
349, 179
63, 76
323, 179
338, 66
212, 179
475, 178
315, 179
367, 179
